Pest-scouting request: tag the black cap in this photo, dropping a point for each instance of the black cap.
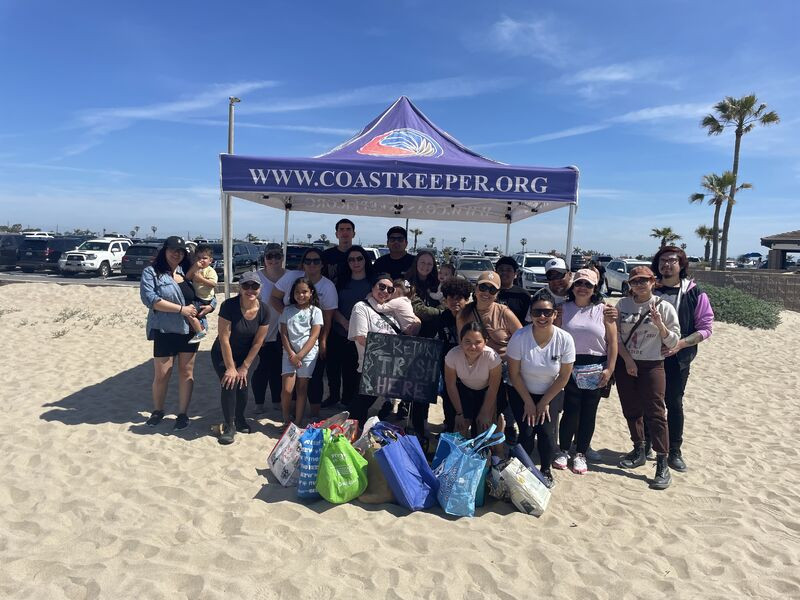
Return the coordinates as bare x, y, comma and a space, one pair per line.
397, 229
507, 260
175, 242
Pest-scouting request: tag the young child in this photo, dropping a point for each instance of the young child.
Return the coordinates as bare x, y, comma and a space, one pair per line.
446, 271
300, 326
204, 278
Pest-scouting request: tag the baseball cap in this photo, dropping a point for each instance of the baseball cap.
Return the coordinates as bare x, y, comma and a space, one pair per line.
587, 275
555, 264
507, 260
489, 277
250, 276
641, 271
397, 229
175, 242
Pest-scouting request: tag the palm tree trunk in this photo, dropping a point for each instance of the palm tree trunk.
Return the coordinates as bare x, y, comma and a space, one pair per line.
715, 236
708, 249
726, 224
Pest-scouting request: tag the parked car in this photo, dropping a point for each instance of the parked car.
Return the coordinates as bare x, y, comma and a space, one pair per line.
492, 255
294, 253
42, 254
101, 256
601, 260
9, 249
617, 274
246, 257
470, 267
374, 253
138, 257
577, 261
531, 270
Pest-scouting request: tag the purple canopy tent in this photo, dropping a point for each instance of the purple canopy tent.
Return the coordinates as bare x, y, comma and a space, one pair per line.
400, 165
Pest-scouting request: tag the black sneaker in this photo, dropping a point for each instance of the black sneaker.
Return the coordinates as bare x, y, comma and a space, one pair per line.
228, 435
242, 426
155, 418
675, 461
549, 480
385, 410
182, 422
331, 401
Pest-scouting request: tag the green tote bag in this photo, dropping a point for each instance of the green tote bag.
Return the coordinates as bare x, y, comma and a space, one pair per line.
342, 474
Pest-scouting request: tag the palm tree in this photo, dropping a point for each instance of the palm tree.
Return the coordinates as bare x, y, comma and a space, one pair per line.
417, 232
718, 187
666, 234
523, 242
309, 236
153, 228
683, 246
463, 240
743, 114
323, 237
705, 233
432, 242
135, 230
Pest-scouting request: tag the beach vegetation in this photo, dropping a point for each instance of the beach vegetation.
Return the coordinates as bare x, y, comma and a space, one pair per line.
60, 332
8, 310
735, 306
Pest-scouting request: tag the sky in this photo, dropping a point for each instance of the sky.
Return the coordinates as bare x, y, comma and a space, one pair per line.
114, 114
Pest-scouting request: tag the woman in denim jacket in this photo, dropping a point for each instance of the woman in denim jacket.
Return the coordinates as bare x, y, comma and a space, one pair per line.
169, 297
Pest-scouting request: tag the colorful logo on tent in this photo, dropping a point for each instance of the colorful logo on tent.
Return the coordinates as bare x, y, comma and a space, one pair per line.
402, 142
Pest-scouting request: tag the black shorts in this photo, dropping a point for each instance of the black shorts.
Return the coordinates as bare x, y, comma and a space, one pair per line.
172, 344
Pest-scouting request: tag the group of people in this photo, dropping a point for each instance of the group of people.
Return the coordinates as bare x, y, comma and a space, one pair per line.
536, 366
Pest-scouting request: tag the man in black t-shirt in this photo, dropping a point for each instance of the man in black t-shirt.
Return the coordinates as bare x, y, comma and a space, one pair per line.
398, 261
513, 296
335, 257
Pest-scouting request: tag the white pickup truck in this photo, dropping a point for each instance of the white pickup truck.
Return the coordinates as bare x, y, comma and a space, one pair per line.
101, 256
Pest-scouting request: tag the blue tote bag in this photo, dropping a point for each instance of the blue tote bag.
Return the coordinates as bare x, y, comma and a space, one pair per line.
311, 443
407, 472
462, 472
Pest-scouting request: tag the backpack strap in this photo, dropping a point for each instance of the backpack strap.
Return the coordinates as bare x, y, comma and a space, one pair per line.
641, 319
385, 318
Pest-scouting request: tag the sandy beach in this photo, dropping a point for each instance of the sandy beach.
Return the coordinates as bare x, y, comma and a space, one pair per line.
93, 504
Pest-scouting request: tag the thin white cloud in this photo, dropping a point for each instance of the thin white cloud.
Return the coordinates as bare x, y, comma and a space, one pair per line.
339, 131
64, 169
547, 137
536, 38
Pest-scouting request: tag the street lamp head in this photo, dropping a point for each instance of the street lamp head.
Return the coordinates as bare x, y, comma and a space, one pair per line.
233, 99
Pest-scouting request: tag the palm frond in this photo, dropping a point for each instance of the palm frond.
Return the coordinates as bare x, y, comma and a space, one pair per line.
770, 118
697, 197
711, 123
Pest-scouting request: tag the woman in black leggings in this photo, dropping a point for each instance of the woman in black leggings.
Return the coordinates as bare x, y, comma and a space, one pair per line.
243, 324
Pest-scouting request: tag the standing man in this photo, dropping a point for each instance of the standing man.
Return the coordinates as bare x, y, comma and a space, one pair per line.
335, 257
696, 319
513, 296
398, 261
558, 279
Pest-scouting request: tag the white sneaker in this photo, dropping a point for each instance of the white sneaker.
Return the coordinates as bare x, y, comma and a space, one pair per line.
561, 461
579, 464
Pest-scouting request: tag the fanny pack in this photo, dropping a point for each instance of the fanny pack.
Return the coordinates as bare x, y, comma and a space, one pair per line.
587, 377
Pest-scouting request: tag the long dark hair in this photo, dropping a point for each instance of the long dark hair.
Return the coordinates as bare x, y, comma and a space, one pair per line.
431, 282
344, 275
314, 297
683, 261
161, 266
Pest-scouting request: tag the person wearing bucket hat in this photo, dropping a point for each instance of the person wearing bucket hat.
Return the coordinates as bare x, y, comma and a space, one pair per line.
242, 327
168, 296
645, 324
595, 336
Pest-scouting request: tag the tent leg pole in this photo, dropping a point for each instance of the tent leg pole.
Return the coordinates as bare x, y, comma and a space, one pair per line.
508, 236
285, 234
230, 239
225, 252
571, 222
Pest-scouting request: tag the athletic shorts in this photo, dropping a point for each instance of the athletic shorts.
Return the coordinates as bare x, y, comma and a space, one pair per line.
172, 344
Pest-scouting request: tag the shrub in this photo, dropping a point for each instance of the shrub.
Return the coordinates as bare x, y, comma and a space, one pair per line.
734, 306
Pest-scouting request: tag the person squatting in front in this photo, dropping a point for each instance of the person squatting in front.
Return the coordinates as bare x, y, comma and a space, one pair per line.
645, 323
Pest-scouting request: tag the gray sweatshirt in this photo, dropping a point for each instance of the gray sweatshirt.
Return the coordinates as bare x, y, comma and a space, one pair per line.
646, 342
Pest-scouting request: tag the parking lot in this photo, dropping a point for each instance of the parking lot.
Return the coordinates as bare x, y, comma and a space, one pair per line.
18, 276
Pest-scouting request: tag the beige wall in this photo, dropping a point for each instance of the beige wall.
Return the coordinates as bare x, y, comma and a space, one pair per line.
781, 287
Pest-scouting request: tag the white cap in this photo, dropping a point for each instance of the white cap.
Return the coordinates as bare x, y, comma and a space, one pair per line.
555, 264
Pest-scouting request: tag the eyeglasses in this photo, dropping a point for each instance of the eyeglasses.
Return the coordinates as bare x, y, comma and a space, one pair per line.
357, 258
554, 275
250, 285
396, 238
312, 261
583, 284
543, 312
639, 281
273, 255
669, 261
386, 288
485, 287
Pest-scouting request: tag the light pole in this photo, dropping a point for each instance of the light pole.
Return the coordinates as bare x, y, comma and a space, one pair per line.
227, 212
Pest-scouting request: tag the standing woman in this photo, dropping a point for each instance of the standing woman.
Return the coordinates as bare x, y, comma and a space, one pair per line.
352, 286
595, 337
645, 325
268, 370
540, 359
165, 291
364, 319
243, 322
311, 264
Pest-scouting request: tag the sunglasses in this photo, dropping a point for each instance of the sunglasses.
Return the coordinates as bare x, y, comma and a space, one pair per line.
273, 255
639, 281
396, 238
386, 288
554, 276
312, 261
582, 283
543, 312
250, 285
485, 287
357, 258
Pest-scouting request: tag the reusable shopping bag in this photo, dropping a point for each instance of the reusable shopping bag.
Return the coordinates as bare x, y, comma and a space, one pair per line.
284, 460
378, 490
527, 493
311, 443
407, 472
463, 471
342, 474
518, 452
362, 443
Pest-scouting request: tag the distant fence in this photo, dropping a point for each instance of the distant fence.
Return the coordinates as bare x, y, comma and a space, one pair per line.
777, 286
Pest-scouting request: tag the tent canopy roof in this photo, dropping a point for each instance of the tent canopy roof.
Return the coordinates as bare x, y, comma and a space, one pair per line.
401, 165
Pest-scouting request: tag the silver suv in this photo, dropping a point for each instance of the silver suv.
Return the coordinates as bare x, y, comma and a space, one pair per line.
101, 256
617, 274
